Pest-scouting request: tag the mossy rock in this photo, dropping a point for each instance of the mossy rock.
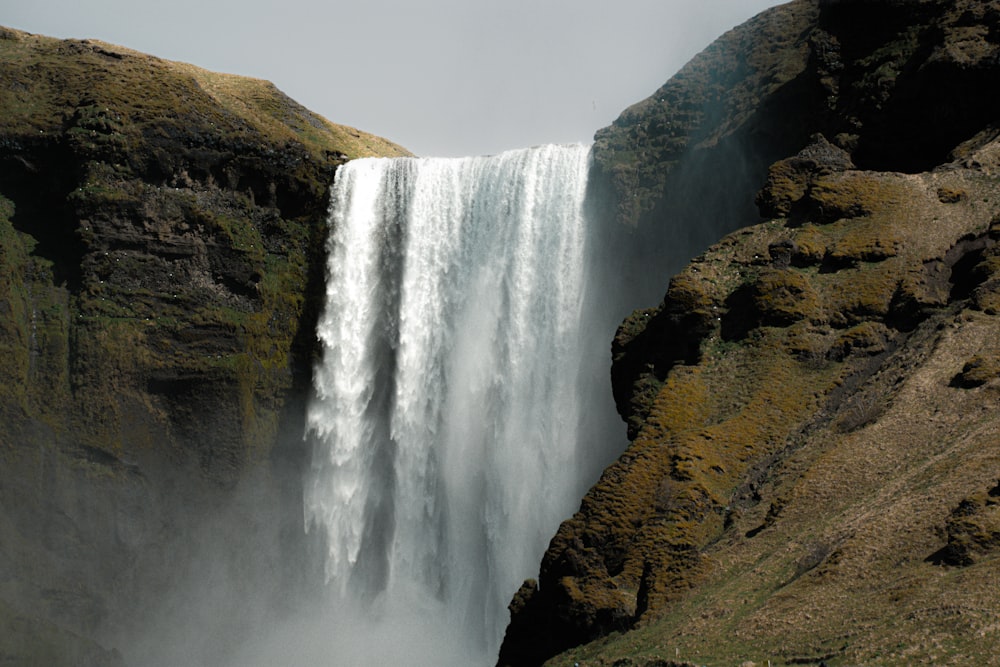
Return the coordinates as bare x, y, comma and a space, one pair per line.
985, 275
787, 183
688, 292
632, 326
862, 294
868, 243
853, 297
973, 529
979, 370
783, 297
791, 179
850, 195
170, 223
810, 246
866, 338
162, 234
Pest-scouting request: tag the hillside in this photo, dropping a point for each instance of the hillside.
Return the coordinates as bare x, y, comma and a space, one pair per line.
812, 472
813, 469
161, 245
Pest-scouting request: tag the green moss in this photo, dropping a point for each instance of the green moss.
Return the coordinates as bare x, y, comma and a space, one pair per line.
782, 297
787, 183
861, 294
810, 245
15, 311
864, 243
691, 292
240, 234
110, 99
868, 338
852, 195
34, 347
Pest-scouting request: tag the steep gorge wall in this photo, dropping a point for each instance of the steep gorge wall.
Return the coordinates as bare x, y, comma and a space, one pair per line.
161, 258
810, 367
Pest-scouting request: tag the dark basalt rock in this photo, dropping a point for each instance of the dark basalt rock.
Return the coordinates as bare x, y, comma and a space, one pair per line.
867, 126
973, 530
161, 263
789, 180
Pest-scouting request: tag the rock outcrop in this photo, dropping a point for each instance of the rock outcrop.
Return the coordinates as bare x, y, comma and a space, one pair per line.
161, 252
812, 407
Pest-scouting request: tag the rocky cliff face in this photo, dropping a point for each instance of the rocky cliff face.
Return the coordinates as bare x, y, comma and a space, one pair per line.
812, 407
161, 244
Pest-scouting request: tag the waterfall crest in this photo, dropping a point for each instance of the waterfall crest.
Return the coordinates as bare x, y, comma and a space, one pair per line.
450, 401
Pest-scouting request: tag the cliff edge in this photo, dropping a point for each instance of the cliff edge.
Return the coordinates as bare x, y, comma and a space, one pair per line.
812, 474
161, 260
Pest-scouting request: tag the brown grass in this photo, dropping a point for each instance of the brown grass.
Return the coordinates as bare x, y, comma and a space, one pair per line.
143, 89
857, 441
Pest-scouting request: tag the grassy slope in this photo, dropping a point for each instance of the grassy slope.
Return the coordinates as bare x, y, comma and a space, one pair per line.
813, 472
866, 531
48, 77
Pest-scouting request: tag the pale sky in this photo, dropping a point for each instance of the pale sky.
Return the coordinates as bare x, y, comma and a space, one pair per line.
440, 77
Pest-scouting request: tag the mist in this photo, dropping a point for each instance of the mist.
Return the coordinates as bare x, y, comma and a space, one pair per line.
448, 404
249, 584
287, 572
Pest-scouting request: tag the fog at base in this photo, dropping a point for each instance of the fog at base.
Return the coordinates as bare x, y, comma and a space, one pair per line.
456, 419
462, 409
326, 635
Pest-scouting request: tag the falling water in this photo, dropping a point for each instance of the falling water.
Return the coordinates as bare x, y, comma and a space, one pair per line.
453, 414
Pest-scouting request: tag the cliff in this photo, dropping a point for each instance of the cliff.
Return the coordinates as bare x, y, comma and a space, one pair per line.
812, 474
161, 248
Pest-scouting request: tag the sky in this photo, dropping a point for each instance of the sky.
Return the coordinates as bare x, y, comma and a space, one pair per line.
440, 77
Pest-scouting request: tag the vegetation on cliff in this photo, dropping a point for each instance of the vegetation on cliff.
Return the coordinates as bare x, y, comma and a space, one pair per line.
813, 467
161, 251
161, 225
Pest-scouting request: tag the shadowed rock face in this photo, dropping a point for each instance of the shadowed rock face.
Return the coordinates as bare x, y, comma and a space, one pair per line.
834, 355
161, 253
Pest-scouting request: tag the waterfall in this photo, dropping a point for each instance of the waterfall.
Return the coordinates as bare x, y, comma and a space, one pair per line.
454, 414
